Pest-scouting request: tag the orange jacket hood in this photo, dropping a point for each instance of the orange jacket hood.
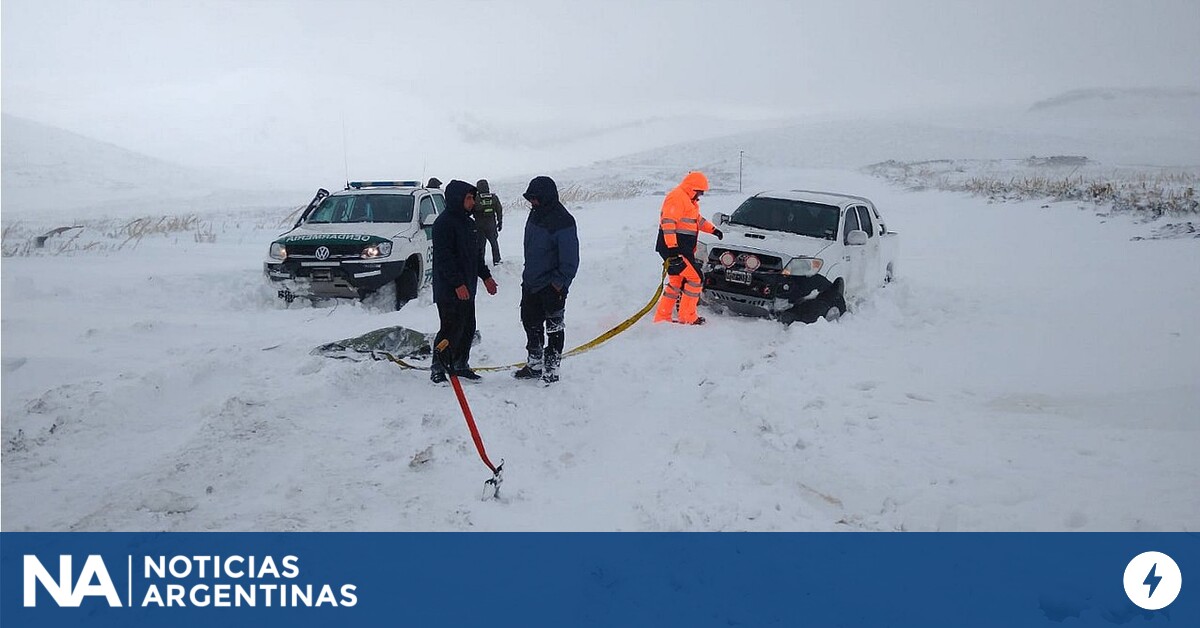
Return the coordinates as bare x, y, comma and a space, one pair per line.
693, 182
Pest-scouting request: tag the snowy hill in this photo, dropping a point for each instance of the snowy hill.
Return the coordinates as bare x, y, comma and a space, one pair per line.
602, 140
255, 123
1103, 125
1092, 124
852, 143
75, 171
50, 171
1125, 126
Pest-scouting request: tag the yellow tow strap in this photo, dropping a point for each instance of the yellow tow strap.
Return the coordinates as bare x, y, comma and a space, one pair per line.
583, 348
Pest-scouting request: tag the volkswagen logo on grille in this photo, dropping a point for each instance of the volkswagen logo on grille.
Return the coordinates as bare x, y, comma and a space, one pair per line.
322, 253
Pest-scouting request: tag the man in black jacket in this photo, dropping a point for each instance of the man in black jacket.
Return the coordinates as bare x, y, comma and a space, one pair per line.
457, 267
551, 261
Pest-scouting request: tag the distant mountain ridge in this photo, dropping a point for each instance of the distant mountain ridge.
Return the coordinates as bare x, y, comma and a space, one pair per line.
1157, 127
49, 169
46, 167
548, 135
1180, 97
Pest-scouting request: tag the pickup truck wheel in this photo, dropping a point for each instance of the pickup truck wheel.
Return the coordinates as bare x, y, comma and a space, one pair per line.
382, 299
837, 307
393, 296
408, 284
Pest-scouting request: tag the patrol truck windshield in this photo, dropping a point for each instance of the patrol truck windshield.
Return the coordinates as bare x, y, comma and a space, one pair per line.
774, 214
364, 208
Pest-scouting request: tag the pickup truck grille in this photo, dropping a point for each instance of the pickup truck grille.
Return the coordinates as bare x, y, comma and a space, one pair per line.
769, 262
336, 251
769, 291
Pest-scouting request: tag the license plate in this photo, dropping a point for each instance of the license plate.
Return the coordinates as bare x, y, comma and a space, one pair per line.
738, 276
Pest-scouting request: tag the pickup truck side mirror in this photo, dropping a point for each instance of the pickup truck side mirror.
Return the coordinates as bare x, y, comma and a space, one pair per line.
858, 237
427, 220
720, 218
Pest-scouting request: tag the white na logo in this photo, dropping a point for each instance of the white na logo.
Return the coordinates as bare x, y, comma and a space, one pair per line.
62, 591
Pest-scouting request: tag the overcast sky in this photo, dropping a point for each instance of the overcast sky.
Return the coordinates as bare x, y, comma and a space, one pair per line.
187, 80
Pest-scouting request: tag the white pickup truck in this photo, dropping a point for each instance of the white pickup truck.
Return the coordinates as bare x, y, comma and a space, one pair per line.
373, 237
796, 255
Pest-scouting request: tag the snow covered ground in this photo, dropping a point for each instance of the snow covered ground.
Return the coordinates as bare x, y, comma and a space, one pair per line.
1033, 368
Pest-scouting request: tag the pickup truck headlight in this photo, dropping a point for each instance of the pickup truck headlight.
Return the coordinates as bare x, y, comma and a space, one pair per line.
278, 251
803, 266
382, 249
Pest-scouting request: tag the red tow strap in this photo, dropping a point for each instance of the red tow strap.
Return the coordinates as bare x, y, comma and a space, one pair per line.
462, 401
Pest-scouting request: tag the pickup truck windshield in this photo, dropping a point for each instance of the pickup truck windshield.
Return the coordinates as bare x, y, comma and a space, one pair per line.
774, 214
364, 208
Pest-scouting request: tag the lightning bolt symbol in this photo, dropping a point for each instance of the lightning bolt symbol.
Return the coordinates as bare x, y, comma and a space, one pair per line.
1152, 580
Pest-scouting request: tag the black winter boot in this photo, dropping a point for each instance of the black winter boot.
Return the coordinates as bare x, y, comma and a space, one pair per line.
437, 375
463, 371
550, 367
532, 368
467, 373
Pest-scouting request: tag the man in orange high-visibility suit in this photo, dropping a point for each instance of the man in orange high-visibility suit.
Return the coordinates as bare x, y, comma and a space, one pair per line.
678, 229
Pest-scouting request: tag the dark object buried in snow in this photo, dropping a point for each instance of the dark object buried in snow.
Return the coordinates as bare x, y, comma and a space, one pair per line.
40, 241
397, 341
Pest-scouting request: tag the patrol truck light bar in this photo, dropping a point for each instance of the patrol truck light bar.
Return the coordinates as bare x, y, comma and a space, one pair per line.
358, 185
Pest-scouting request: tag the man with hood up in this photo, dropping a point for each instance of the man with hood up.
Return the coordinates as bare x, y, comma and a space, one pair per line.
551, 260
457, 267
679, 226
489, 216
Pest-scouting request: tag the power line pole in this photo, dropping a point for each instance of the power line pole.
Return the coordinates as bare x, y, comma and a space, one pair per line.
740, 154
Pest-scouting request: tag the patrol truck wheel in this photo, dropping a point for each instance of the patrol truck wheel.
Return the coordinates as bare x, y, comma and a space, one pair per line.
408, 284
383, 299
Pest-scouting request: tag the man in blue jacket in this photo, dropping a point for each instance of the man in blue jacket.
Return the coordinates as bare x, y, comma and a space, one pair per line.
551, 259
457, 267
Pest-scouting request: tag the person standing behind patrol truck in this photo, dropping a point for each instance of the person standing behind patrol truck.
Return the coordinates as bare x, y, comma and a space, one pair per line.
457, 267
489, 216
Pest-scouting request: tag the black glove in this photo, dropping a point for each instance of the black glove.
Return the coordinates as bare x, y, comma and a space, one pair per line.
717, 232
676, 265
499, 227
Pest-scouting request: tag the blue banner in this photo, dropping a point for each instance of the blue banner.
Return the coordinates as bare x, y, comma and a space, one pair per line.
539, 579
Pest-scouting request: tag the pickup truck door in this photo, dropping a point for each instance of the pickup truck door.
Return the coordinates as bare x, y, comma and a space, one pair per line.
872, 258
852, 256
429, 206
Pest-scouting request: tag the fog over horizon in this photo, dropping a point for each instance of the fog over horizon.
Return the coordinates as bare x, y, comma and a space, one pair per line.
273, 89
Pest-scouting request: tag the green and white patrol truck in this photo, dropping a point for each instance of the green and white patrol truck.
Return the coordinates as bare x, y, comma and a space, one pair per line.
374, 237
